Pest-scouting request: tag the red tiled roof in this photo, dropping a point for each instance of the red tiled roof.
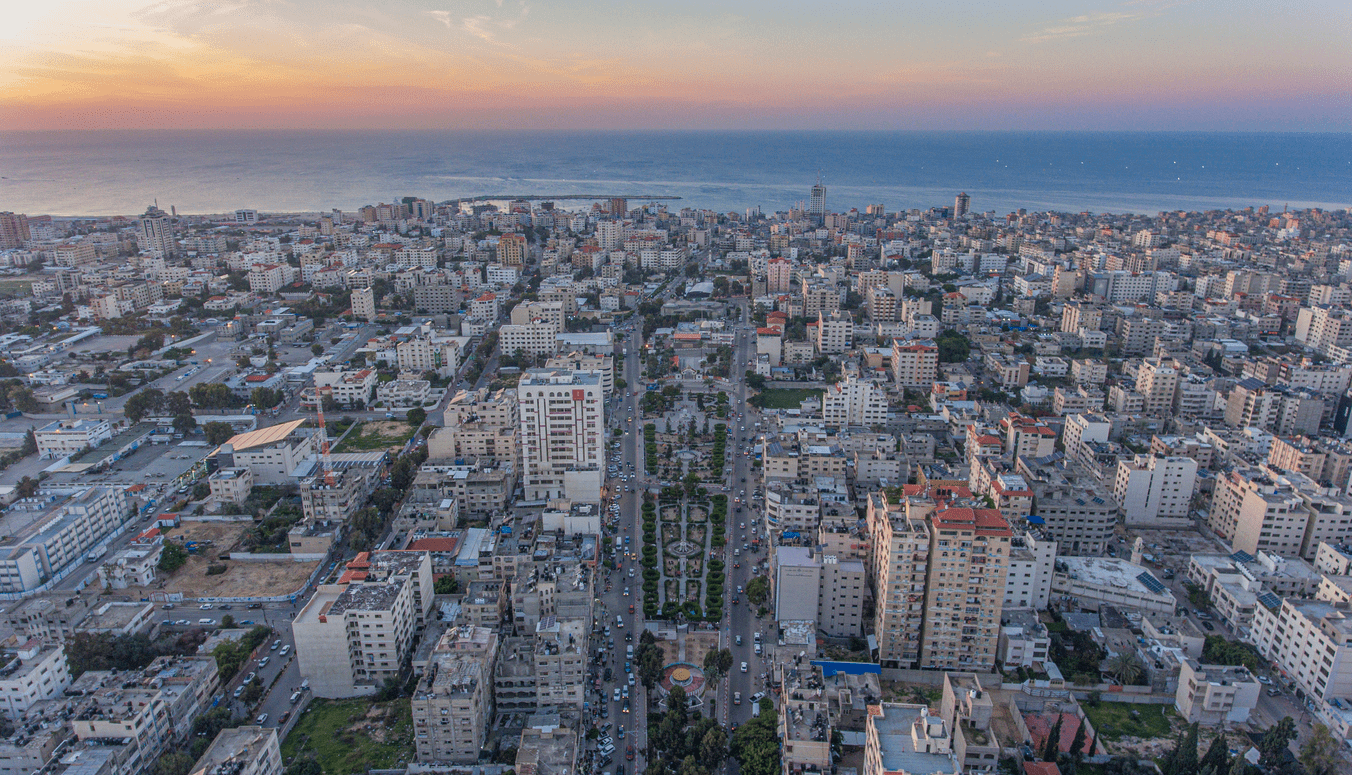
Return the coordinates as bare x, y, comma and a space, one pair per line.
436, 544
984, 521
1040, 727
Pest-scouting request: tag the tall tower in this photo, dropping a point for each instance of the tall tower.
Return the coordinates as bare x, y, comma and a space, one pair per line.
562, 421
157, 231
364, 304
962, 205
13, 230
817, 203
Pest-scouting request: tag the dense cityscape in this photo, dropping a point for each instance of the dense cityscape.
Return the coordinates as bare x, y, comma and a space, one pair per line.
610, 487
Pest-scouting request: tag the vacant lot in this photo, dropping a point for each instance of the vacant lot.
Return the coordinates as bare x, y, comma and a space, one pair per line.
1115, 720
785, 398
370, 436
241, 579
352, 736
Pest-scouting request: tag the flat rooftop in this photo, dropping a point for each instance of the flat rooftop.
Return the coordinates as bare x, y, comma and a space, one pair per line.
894, 721
231, 747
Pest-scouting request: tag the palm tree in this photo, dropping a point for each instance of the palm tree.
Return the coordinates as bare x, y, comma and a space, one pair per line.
1126, 668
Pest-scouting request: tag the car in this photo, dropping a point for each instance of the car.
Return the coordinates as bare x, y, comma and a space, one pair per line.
625, 707
626, 591
631, 679
743, 667
248, 679
616, 698
205, 607
629, 752
1209, 626
285, 650
295, 697
262, 719
168, 606
1273, 691
238, 691
254, 606
275, 645
605, 712
736, 698
264, 661
1262, 679
739, 640
621, 731
225, 607
206, 621
757, 696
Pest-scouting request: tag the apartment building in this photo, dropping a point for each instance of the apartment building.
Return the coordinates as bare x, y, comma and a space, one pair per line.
835, 333
964, 589
1028, 580
271, 453
820, 588
66, 437
534, 338
250, 750
62, 529
1155, 490
348, 387
897, 571
1070, 506
1157, 381
1086, 371
559, 658
1009, 371
1215, 694
905, 739
562, 435
967, 708
351, 637
792, 508
34, 671
422, 354
270, 278
1311, 643
915, 363
453, 703
1257, 511
602, 365
852, 402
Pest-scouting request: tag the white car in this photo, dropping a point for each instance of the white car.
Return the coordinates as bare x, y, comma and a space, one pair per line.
743, 667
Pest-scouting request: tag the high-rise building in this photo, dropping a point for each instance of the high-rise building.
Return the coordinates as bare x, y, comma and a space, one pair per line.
965, 588
512, 250
778, 276
897, 571
364, 304
915, 363
1155, 490
854, 402
157, 231
13, 230
817, 203
962, 205
1157, 381
562, 434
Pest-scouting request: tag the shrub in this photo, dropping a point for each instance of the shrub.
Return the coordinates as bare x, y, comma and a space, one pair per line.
216, 570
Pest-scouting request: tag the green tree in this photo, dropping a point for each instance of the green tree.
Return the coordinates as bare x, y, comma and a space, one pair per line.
30, 443
265, 398
1218, 755
317, 349
953, 347
1126, 668
218, 432
142, 403
1275, 742
177, 403
446, 585
1077, 745
172, 557
184, 423
1319, 753
212, 395
228, 622
758, 590
1052, 749
713, 748
174, 763
417, 416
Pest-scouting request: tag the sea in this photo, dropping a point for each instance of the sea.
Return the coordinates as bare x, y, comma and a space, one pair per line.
94, 173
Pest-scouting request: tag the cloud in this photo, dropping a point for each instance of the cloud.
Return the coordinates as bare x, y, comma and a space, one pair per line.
1079, 26
442, 16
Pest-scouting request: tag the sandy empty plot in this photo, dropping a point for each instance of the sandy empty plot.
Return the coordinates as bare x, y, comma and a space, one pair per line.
241, 578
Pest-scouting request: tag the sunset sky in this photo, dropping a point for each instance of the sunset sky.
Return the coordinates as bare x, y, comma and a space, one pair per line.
697, 64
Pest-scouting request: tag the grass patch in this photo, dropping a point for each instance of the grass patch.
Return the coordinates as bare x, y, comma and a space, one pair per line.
364, 438
347, 737
16, 287
785, 398
1114, 720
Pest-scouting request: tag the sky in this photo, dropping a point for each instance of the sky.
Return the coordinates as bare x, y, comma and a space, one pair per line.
695, 64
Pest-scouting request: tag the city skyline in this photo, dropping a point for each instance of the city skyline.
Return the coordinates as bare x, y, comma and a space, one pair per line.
514, 64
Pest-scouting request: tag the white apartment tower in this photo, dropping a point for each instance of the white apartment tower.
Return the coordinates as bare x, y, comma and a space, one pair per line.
157, 231
853, 402
1155, 490
562, 434
364, 304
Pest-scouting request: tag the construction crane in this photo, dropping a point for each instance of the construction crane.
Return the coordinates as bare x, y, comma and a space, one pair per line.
324, 458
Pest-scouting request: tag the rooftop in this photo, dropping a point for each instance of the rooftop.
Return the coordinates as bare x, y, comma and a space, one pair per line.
233, 748
894, 723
